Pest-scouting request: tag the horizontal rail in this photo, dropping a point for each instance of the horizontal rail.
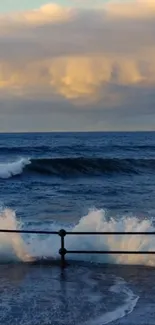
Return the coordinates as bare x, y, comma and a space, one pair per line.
47, 232
62, 233
110, 233
39, 232
109, 252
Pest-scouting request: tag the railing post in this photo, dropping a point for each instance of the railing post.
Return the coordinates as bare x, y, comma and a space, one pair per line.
62, 250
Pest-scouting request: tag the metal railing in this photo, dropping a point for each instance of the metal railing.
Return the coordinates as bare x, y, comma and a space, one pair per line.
62, 233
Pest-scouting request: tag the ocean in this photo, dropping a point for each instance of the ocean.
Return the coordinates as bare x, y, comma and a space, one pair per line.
79, 182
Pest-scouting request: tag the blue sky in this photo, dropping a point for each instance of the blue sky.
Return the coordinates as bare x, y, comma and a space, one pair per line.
13, 5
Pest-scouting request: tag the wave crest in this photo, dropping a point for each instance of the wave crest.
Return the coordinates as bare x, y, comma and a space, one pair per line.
8, 170
76, 166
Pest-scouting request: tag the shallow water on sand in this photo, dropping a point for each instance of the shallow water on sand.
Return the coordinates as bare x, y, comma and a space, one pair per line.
80, 294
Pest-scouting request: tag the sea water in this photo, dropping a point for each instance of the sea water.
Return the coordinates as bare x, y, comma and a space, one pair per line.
80, 182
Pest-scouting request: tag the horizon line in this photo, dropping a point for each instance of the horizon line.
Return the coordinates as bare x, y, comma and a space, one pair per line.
89, 131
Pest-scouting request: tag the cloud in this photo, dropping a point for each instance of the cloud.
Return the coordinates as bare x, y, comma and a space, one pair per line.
75, 78
133, 9
82, 56
49, 13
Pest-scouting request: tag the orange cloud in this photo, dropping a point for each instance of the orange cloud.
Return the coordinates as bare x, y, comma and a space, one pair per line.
80, 60
76, 77
49, 13
133, 9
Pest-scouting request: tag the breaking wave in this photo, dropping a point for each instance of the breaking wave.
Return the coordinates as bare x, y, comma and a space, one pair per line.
75, 166
79, 284
8, 170
14, 248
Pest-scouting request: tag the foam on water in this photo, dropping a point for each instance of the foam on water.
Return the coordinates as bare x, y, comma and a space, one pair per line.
84, 297
130, 301
14, 248
8, 170
12, 245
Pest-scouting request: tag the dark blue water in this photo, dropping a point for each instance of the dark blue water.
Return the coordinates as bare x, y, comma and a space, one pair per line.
71, 173
54, 179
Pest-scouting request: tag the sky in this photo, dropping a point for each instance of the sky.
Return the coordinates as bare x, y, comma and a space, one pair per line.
18, 5
77, 65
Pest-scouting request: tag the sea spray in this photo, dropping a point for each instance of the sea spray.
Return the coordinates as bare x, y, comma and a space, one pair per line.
97, 221
12, 246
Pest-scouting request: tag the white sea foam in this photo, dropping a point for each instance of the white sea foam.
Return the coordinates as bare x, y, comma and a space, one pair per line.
10, 169
96, 221
130, 301
14, 248
45, 246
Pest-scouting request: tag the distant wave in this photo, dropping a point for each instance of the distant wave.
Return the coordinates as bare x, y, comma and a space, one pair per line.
24, 149
76, 166
78, 148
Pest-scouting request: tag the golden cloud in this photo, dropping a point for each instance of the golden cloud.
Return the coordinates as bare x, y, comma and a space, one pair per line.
85, 75
133, 9
77, 77
49, 13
